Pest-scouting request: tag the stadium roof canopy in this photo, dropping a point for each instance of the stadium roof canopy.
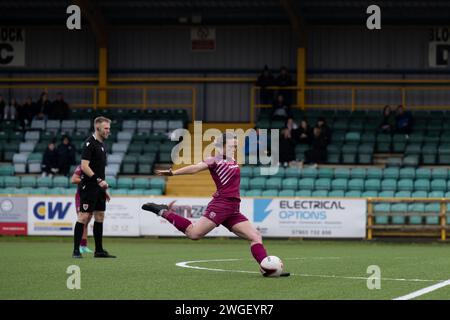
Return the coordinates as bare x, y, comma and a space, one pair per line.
228, 12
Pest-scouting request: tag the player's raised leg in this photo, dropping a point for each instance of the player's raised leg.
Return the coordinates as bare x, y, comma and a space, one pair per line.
193, 231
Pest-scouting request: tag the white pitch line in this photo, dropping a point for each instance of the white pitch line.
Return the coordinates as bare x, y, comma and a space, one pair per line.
186, 264
423, 291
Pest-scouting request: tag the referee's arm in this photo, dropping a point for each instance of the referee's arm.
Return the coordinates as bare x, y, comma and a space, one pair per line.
88, 171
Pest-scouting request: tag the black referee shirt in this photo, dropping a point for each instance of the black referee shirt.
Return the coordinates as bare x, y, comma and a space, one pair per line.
94, 151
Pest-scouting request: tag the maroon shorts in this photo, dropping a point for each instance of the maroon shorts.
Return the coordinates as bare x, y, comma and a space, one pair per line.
224, 212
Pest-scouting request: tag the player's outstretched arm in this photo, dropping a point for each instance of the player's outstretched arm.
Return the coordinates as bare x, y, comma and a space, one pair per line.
192, 169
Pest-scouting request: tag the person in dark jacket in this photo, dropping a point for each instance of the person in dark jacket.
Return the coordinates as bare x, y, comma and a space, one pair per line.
66, 155
303, 133
325, 129
60, 108
50, 161
403, 121
388, 123
280, 109
284, 79
265, 80
26, 113
287, 143
43, 107
318, 149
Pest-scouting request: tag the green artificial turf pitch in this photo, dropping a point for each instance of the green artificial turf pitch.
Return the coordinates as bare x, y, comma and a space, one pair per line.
35, 268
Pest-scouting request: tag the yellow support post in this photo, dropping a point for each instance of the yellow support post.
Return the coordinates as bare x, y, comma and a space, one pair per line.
103, 77
301, 77
443, 221
403, 97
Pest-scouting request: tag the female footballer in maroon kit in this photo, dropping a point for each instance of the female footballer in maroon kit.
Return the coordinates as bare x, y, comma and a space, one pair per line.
223, 209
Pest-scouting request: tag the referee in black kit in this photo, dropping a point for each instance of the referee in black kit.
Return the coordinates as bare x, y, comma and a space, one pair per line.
93, 188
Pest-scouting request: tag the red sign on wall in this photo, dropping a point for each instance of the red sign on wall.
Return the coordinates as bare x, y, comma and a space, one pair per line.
13, 228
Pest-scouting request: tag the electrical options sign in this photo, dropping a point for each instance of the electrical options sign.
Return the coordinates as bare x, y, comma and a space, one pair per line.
310, 218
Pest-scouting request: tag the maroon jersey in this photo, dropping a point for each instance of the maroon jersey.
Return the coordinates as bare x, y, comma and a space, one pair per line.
226, 175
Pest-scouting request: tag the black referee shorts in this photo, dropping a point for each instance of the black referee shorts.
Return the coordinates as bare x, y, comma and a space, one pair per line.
92, 198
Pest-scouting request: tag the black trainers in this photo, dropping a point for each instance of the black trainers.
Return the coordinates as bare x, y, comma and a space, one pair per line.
76, 254
155, 208
103, 254
283, 274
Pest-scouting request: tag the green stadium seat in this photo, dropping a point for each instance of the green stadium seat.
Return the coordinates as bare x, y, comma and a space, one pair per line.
306, 184
416, 138
291, 173
309, 173
57, 191
153, 192
384, 143
370, 194
353, 194
303, 193
246, 172
125, 183
356, 185
12, 182
6, 170
60, 182
422, 185
407, 173
320, 193
342, 173
374, 173
389, 185
334, 158
253, 193
339, 184
416, 208
353, 137
323, 184
432, 208
327, 173
423, 173
439, 185
165, 157
257, 183
136, 192
405, 185
403, 194
436, 194
119, 192
358, 173
401, 209
273, 183
386, 194
128, 168
270, 193
336, 194
141, 183
158, 183
145, 168
419, 194
286, 193
381, 210
244, 183
2, 181
411, 161
439, 173
28, 182
112, 182
290, 183
372, 185
394, 162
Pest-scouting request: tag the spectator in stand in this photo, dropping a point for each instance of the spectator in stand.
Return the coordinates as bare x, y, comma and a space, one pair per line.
280, 109
60, 109
325, 129
26, 113
318, 148
50, 161
265, 80
2, 106
43, 107
303, 133
10, 112
284, 79
66, 155
403, 121
388, 123
287, 143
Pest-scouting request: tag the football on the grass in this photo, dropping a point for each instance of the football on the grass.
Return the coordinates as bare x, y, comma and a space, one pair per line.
271, 266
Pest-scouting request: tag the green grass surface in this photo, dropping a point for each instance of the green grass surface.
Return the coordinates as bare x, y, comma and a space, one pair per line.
35, 268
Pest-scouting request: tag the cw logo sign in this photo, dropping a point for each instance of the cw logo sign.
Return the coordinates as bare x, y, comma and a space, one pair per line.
50, 210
